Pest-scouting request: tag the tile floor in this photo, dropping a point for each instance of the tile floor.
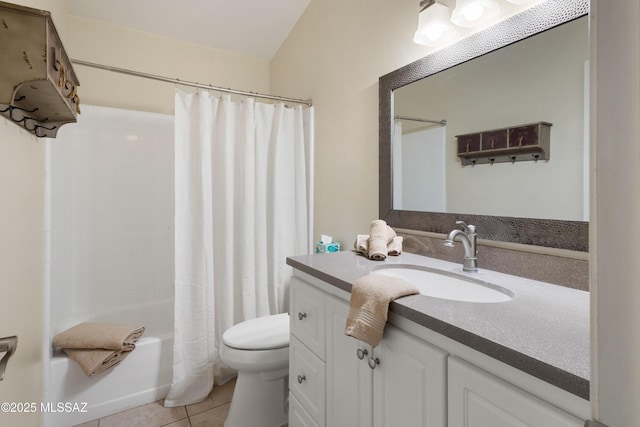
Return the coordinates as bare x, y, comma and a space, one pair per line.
209, 413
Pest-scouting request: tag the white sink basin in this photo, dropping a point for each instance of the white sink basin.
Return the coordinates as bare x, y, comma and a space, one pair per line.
448, 286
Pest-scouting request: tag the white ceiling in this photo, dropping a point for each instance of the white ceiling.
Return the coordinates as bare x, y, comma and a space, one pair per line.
254, 28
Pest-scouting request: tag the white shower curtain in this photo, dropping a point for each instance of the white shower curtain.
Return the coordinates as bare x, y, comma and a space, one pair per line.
243, 203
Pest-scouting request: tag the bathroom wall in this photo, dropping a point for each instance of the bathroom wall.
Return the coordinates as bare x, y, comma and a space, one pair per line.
335, 55
22, 252
106, 44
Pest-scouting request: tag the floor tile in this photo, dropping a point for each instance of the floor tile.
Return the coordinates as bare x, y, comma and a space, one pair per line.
94, 423
212, 418
182, 423
151, 415
220, 395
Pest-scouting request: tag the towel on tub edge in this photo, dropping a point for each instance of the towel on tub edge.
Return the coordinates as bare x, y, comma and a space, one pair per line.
95, 361
98, 346
99, 335
369, 305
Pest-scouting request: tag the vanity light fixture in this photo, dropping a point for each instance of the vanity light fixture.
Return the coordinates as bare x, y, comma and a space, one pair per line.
434, 24
473, 13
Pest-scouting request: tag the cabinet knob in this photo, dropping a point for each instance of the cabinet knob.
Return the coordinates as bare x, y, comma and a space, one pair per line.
361, 353
301, 379
373, 362
302, 315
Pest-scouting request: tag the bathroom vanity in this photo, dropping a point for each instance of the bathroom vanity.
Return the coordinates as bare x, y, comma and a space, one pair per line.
441, 362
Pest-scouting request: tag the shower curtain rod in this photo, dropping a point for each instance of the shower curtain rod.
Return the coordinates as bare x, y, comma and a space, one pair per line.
307, 102
416, 119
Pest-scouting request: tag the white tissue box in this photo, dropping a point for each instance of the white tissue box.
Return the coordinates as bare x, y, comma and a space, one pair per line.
322, 248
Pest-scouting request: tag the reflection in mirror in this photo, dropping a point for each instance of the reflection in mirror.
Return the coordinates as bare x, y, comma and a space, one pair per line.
541, 78
419, 165
498, 78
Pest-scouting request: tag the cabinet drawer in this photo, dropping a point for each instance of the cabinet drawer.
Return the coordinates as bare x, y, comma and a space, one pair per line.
307, 315
298, 416
307, 380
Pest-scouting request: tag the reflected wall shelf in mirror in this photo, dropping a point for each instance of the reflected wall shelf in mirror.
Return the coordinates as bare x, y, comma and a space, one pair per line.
565, 231
520, 143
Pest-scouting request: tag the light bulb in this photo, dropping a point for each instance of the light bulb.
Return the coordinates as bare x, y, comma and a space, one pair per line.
473, 12
434, 25
434, 32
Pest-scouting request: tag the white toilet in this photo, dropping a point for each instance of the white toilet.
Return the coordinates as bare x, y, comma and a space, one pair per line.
259, 350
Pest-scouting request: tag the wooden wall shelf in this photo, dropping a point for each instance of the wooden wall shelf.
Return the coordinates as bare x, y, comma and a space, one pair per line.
38, 87
520, 143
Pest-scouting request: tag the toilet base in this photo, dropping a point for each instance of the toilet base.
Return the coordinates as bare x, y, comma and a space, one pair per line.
259, 401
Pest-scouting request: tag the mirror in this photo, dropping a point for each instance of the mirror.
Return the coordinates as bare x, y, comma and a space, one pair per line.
524, 70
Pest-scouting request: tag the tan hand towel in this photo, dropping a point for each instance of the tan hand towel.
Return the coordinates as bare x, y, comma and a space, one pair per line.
380, 236
369, 305
97, 335
362, 244
94, 362
395, 247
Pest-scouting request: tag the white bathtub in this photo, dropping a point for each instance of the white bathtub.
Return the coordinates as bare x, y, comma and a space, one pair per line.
142, 377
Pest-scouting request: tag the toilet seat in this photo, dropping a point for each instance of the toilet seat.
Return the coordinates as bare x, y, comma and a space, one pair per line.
259, 350
263, 333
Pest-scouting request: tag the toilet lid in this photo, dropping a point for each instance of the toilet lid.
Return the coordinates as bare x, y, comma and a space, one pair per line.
262, 333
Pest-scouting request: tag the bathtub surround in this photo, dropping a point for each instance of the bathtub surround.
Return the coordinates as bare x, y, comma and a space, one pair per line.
243, 180
111, 249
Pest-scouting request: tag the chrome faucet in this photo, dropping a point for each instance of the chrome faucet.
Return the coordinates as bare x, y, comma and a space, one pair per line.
467, 235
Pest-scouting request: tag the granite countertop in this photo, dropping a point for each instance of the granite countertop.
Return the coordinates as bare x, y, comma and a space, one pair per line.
543, 330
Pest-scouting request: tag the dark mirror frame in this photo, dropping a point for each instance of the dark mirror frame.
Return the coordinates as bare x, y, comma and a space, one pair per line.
572, 235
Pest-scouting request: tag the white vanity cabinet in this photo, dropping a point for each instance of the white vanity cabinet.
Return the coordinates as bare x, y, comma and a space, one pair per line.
414, 377
477, 398
401, 382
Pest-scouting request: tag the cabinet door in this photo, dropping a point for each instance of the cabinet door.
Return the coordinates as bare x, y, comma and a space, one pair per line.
349, 379
478, 399
409, 382
307, 315
307, 379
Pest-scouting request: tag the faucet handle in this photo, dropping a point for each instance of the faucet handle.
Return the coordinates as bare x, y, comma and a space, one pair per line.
466, 228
